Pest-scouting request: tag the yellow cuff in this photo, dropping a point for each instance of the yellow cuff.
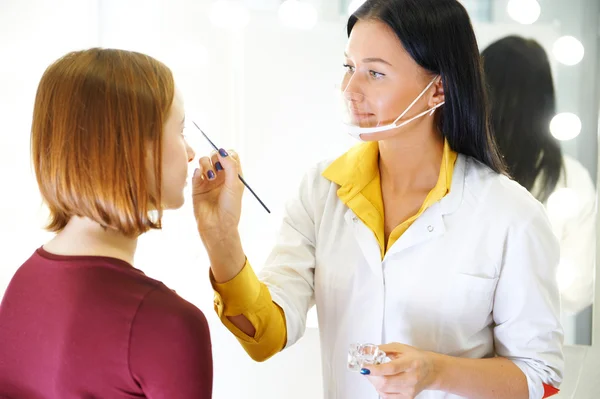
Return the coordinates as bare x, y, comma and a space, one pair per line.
237, 295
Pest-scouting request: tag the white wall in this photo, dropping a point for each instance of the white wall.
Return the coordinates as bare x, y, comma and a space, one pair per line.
266, 92
32, 35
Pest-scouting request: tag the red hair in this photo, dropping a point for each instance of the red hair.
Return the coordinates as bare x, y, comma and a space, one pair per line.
97, 115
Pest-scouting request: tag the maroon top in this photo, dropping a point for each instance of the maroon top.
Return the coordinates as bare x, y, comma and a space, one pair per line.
95, 327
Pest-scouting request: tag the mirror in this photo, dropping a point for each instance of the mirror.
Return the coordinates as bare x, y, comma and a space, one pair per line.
569, 40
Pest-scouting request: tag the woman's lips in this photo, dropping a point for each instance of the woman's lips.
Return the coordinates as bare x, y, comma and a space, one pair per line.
361, 115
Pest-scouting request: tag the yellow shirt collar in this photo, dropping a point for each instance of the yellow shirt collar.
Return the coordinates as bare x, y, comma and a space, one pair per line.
357, 174
354, 170
359, 166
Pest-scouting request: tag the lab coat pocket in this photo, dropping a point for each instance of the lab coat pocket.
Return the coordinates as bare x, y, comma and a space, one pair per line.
474, 287
468, 302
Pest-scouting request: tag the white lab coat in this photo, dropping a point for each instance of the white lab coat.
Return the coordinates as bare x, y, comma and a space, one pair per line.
572, 213
473, 276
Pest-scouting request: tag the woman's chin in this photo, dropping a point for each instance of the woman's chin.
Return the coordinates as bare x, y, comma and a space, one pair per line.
174, 203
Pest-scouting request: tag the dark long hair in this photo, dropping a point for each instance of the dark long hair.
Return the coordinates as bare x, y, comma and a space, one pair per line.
521, 92
439, 36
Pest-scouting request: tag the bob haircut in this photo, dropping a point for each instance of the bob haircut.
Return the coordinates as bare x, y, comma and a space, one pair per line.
438, 35
96, 137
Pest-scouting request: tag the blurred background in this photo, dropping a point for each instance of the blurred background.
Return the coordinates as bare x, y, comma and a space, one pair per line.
258, 76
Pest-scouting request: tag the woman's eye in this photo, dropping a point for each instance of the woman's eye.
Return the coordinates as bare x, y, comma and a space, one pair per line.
349, 68
376, 75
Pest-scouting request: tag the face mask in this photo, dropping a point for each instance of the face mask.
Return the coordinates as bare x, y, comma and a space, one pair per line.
355, 130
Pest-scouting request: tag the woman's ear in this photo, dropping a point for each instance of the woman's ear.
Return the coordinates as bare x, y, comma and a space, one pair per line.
438, 93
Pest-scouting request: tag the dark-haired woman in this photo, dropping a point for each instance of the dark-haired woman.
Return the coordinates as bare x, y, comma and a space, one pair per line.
414, 240
522, 99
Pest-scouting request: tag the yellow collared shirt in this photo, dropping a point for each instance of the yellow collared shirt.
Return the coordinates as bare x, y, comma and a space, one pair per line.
357, 174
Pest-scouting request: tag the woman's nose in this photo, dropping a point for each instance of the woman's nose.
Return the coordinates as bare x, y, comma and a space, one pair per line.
190, 152
353, 91
354, 97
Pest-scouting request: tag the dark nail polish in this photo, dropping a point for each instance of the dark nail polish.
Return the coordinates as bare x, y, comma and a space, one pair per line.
223, 153
218, 166
210, 174
365, 371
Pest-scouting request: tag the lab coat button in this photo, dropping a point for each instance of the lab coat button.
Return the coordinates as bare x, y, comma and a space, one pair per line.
354, 219
430, 228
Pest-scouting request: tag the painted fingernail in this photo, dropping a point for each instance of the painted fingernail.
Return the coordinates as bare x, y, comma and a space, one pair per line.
223, 153
196, 172
365, 371
210, 174
218, 166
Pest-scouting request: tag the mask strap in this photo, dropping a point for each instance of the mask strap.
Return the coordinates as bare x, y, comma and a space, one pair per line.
430, 111
414, 102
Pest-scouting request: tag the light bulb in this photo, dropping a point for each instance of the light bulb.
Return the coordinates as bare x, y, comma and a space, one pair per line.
298, 14
354, 5
229, 14
524, 11
568, 50
565, 126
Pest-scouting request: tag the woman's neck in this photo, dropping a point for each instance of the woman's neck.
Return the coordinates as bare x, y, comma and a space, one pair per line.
82, 236
411, 160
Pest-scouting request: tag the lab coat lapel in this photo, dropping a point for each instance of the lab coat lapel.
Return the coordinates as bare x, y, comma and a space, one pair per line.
366, 241
430, 224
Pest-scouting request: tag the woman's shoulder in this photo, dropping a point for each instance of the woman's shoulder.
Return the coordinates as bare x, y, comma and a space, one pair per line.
313, 179
170, 346
576, 177
163, 302
573, 200
498, 193
163, 315
341, 166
